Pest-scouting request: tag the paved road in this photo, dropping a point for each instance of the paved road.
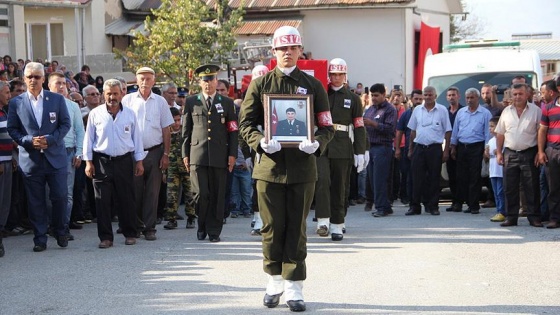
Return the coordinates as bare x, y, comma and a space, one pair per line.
452, 264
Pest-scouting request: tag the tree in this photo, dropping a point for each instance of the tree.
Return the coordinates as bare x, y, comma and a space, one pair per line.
466, 26
181, 35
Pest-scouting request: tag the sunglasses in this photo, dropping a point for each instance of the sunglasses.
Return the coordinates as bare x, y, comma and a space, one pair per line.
36, 77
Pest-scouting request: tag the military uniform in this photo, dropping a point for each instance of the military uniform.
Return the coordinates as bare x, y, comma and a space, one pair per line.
335, 165
296, 128
178, 177
210, 138
285, 179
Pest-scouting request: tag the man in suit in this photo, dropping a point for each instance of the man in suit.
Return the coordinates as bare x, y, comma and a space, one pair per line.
209, 150
38, 121
291, 126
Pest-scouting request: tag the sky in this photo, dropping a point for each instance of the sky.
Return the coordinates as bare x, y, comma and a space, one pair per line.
505, 17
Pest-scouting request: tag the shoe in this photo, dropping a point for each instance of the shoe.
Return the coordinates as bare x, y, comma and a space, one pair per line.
105, 244
488, 204
352, 202
39, 247
271, 301
390, 211
214, 238
70, 237
172, 224
323, 230
314, 219
119, 231
523, 213
405, 201
412, 212
201, 235
256, 232
81, 221
75, 226
434, 212
179, 217
360, 201
379, 214
508, 222
130, 241
2, 250
368, 206
343, 230
234, 215
253, 223
224, 221
247, 215
475, 211
158, 220
498, 218
190, 223
536, 223
296, 306
150, 235
336, 237
553, 224
468, 210
62, 241
115, 219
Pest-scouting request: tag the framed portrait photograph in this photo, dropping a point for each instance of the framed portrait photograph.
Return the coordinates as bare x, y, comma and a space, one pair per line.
288, 119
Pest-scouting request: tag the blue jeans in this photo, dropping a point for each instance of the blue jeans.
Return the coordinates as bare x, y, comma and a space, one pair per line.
498, 187
241, 191
362, 177
70, 177
544, 193
379, 169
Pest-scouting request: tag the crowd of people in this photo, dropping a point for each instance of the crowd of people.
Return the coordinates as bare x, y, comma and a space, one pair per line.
76, 150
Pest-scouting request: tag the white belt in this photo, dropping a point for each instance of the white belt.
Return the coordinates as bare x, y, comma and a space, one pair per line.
338, 127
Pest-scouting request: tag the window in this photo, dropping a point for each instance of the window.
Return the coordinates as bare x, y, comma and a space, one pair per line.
550, 67
45, 40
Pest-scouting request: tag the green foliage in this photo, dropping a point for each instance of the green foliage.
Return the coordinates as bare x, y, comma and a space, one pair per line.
182, 35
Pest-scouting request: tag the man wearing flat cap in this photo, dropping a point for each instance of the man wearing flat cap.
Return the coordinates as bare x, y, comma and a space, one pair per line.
154, 119
209, 150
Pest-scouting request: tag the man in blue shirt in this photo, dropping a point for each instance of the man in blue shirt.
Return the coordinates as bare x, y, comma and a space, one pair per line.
470, 133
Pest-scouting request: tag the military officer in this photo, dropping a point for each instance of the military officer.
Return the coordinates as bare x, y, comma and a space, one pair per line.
209, 150
291, 126
285, 176
335, 165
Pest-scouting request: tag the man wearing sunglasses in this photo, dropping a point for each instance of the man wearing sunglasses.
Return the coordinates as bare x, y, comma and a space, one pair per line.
38, 121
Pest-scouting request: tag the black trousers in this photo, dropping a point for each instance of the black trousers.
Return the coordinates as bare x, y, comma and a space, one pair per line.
209, 195
426, 169
451, 166
519, 167
113, 181
469, 166
552, 174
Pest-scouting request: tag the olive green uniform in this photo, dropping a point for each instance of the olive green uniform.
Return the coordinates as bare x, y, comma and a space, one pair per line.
210, 138
335, 165
178, 178
285, 179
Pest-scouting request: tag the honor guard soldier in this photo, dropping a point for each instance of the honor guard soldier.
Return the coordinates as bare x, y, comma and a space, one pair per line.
347, 147
209, 150
285, 176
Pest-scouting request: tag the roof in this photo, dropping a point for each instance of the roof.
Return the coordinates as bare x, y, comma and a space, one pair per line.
266, 27
146, 5
124, 26
48, 3
548, 49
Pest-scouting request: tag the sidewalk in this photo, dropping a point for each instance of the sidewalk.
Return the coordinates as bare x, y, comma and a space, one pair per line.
454, 263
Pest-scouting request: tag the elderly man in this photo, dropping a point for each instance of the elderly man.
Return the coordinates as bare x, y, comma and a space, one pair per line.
470, 133
38, 121
72, 141
430, 127
169, 92
154, 119
112, 162
517, 150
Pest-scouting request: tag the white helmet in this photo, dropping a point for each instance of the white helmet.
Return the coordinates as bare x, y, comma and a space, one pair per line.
259, 71
286, 36
338, 65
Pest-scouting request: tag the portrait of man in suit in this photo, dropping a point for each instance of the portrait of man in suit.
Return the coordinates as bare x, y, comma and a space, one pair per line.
38, 120
291, 126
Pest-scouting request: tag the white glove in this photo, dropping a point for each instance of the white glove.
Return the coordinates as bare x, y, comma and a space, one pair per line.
366, 160
359, 162
308, 147
249, 163
272, 146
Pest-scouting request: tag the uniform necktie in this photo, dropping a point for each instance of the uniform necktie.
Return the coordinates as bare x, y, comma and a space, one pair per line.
209, 102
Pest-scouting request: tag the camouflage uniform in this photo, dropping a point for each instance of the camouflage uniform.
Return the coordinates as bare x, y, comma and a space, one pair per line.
177, 176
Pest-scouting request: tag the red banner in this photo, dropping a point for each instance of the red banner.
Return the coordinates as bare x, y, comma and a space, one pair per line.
274, 121
316, 68
429, 45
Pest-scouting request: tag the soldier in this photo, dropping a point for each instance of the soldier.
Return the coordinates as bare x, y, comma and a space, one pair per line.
178, 177
335, 165
285, 176
209, 150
